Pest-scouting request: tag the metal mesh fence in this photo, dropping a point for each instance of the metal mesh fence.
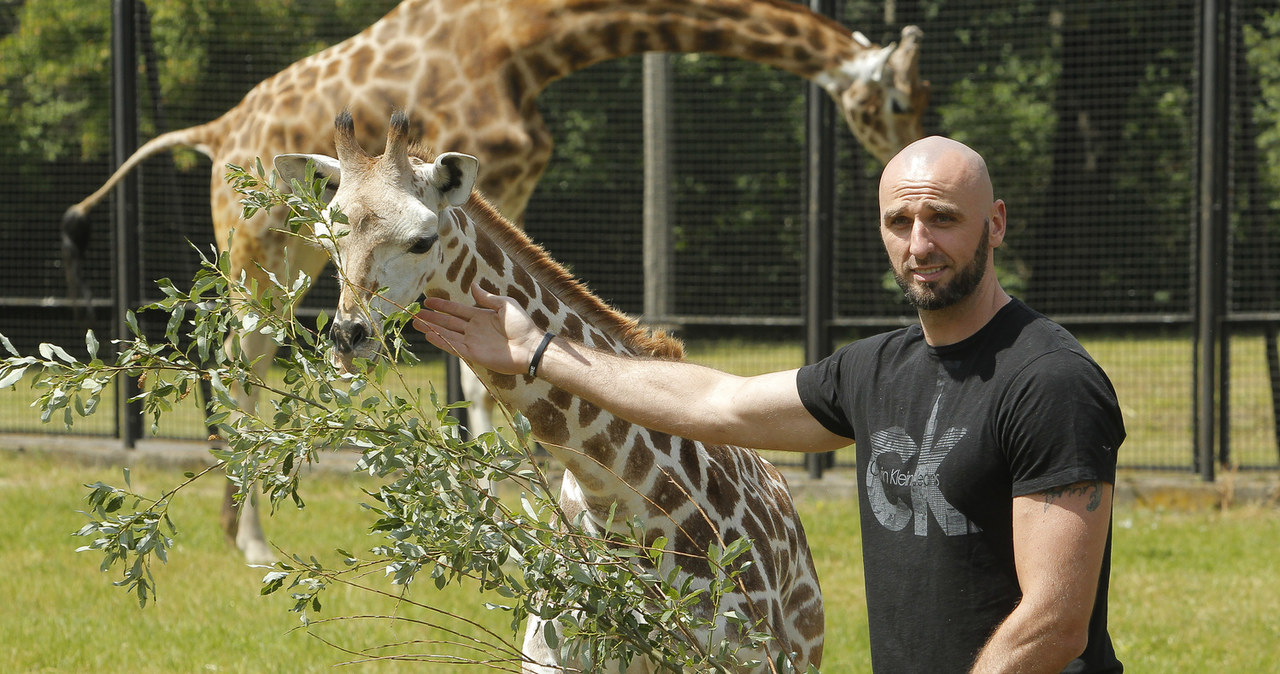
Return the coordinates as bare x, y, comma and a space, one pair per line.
1088, 113
1251, 433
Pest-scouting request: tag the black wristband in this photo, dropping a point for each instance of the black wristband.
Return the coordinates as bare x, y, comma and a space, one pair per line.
537, 354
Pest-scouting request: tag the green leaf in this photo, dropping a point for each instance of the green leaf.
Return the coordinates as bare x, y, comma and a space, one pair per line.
12, 377
175, 321
8, 346
91, 344
50, 351
550, 636
132, 321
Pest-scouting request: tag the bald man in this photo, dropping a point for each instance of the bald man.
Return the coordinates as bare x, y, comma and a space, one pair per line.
986, 436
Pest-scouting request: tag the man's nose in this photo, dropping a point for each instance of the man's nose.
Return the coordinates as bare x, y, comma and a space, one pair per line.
921, 240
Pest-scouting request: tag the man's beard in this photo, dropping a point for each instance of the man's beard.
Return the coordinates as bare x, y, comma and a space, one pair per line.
932, 296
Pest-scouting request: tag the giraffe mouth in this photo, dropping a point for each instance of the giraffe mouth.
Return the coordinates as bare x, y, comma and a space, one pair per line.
353, 340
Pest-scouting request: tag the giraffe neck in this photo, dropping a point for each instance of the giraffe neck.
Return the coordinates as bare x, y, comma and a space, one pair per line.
574, 34
611, 459
685, 493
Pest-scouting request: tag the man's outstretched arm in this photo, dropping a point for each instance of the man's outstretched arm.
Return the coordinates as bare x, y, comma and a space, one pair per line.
680, 398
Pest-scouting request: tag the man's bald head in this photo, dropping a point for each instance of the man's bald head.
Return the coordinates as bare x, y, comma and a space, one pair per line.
940, 160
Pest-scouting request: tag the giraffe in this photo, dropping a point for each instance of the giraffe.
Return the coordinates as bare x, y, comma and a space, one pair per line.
469, 72
415, 226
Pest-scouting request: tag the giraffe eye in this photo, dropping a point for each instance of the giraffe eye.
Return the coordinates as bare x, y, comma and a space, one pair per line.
423, 244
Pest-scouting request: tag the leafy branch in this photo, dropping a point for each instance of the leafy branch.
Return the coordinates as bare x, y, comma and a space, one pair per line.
436, 511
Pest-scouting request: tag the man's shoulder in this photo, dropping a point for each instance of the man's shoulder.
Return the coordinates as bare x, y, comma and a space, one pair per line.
1038, 335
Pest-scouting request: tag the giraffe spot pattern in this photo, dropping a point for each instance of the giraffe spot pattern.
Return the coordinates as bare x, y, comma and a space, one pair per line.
517, 295
639, 462
572, 328
551, 301
524, 281
469, 276
455, 267
560, 398
618, 429
506, 382
547, 422
587, 413
600, 448
540, 319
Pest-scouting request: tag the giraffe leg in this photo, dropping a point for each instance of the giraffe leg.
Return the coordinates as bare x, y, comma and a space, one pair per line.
480, 414
535, 650
249, 537
245, 527
230, 516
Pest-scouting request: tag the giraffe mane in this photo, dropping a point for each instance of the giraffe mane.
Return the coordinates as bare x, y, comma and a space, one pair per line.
568, 289
790, 5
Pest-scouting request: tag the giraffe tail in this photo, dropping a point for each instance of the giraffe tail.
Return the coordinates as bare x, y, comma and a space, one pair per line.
76, 227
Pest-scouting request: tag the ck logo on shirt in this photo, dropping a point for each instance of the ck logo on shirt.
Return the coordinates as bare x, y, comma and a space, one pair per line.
902, 479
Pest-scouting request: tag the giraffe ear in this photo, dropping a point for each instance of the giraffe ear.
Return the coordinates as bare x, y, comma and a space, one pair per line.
293, 167
454, 174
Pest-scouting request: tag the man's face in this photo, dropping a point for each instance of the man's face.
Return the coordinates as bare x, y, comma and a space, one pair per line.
941, 294
936, 224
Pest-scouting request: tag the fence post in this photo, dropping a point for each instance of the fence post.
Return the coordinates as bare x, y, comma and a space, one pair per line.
1273, 372
821, 171
659, 247
124, 140
1212, 226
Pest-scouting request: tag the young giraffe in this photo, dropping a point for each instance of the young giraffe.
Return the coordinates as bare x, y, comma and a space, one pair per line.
416, 227
469, 72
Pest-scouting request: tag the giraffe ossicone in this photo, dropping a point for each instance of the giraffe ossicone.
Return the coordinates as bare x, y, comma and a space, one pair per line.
415, 226
470, 72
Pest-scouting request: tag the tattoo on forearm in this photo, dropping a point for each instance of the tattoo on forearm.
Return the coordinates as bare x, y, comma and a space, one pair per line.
1092, 489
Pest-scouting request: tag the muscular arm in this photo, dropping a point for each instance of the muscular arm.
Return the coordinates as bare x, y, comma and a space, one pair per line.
680, 398
1059, 539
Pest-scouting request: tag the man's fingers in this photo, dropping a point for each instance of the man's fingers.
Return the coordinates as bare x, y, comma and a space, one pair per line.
439, 337
449, 307
433, 321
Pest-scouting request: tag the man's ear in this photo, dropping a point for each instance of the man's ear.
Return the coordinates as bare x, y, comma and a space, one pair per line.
999, 222
293, 167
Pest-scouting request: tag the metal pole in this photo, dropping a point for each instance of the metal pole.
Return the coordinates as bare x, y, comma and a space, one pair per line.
1273, 372
659, 245
124, 140
820, 138
1211, 283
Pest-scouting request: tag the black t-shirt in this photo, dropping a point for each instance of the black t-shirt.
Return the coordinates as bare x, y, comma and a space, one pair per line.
946, 437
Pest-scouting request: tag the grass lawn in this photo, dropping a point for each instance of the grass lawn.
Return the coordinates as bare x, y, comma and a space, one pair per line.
1191, 591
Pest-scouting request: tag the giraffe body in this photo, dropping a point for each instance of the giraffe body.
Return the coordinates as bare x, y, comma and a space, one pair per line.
416, 227
469, 73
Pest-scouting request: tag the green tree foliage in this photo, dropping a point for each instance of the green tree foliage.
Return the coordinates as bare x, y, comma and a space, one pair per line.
1262, 47
55, 70
54, 82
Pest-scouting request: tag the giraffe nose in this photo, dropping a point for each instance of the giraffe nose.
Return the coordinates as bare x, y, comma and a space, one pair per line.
347, 336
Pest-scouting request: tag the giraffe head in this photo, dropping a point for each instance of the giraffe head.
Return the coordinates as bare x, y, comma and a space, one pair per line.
881, 95
394, 205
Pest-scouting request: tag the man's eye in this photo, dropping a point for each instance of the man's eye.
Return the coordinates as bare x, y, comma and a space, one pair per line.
423, 244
